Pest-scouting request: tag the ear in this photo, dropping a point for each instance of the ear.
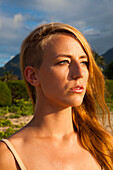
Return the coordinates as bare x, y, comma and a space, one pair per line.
31, 75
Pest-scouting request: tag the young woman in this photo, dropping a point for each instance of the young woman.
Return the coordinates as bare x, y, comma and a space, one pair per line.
67, 91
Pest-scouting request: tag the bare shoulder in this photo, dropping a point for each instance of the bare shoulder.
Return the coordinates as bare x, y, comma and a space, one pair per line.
6, 158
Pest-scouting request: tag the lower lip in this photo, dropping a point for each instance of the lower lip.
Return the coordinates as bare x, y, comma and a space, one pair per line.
76, 90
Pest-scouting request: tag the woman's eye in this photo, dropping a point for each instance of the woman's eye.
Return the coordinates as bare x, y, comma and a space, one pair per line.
84, 63
63, 62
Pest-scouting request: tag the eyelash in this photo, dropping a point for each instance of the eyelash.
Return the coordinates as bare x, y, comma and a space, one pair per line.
67, 62
63, 62
85, 62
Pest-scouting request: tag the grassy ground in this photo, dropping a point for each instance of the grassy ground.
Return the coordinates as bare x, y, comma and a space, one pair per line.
14, 117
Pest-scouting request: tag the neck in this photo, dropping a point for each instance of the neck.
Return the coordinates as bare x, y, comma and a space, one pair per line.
53, 121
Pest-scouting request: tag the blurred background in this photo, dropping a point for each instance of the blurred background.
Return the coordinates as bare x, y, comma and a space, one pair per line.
94, 18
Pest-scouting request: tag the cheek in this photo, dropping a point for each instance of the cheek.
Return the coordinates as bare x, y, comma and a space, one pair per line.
50, 80
86, 77
56, 76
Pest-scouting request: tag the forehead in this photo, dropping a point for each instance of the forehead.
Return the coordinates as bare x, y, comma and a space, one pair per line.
63, 43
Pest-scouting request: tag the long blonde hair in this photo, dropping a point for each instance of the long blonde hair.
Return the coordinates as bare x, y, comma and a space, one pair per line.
93, 136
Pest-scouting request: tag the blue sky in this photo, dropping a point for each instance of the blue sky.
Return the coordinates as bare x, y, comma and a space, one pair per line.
94, 18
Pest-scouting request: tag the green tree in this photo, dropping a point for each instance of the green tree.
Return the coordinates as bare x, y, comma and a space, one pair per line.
5, 94
99, 60
8, 75
109, 71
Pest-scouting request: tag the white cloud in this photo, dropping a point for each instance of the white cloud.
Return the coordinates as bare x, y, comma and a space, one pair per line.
91, 31
18, 20
10, 28
12, 32
14, 22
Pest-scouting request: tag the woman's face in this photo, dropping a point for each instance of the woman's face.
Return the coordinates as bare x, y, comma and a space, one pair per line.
63, 74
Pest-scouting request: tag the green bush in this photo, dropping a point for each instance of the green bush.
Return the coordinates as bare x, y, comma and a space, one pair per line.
4, 123
109, 71
7, 133
5, 94
18, 89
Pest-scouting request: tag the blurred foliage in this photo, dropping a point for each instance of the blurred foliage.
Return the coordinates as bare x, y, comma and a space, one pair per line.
8, 75
5, 94
18, 89
109, 71
17, 109
4, 123
7, 133
99, 60
109, 90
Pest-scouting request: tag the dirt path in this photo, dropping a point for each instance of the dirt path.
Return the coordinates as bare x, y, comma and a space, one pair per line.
23, 120
107, 124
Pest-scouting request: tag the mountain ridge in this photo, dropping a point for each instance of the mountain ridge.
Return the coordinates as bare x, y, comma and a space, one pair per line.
108, 55
12, 65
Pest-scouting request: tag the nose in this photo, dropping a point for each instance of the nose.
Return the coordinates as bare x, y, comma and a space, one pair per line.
77, 71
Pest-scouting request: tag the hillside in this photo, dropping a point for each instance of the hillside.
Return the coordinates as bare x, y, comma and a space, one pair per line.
108, 56
12, 65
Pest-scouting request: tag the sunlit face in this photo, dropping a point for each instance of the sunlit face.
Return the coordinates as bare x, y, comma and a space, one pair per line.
63, 74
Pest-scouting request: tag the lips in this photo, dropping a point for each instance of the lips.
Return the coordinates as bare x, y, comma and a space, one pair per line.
77, 89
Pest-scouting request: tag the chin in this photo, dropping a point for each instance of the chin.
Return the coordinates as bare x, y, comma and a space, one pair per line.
74, 103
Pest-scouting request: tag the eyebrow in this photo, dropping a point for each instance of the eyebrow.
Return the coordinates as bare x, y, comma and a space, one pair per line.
69, 56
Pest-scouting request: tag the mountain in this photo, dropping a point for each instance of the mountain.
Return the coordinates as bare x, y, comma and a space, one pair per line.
108, 56
12, 65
